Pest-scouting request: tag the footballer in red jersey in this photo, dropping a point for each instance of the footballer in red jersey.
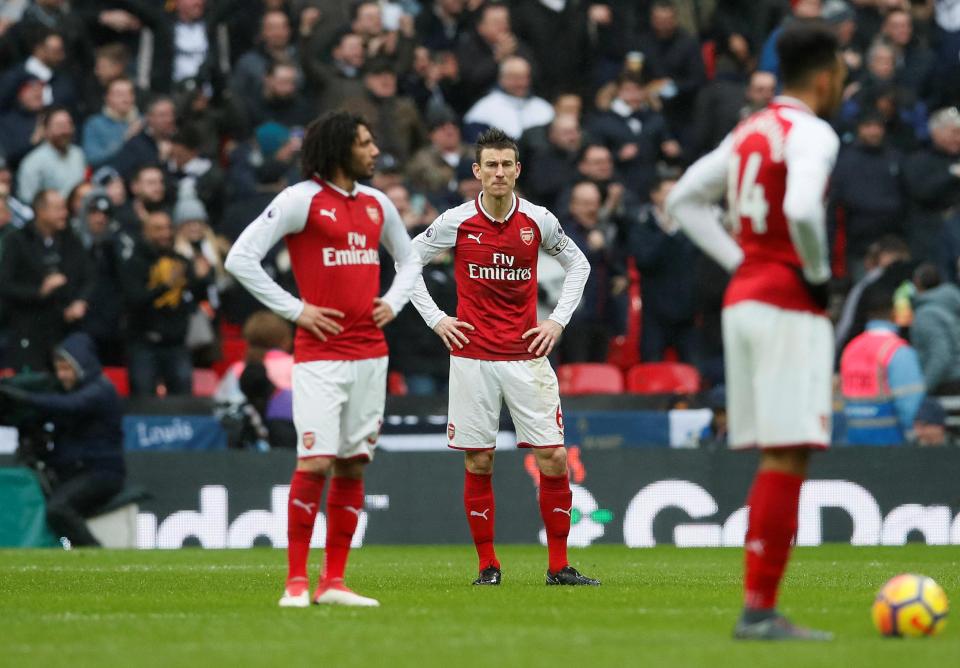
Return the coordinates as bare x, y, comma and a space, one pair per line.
333, 228
498, 348
778, 342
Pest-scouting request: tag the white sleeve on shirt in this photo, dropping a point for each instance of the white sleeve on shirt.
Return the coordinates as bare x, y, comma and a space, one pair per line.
693, 204
286, 214
556, 243
440, 236
810, 153
395, 239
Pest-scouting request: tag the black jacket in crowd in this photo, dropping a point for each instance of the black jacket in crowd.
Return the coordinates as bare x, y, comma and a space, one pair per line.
158, 314
36, 322
935, 194
88, 433
866, 189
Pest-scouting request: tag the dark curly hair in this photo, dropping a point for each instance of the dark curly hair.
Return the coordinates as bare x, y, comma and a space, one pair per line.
496, 138
328, 142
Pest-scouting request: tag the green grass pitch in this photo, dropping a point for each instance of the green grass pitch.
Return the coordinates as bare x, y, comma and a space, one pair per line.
657, 607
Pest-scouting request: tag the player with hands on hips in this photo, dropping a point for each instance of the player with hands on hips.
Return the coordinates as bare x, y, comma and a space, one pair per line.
498, 348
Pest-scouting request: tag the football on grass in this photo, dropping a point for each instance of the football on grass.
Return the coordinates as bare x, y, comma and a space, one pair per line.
910, 606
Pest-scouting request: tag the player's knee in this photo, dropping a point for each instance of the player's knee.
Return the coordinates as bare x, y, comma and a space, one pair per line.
552, 461
480, 462
315, 465
787, 460
349, 468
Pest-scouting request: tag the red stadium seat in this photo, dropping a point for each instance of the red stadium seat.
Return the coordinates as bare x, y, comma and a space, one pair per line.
396, 384
663, 378
590, 379
205, 382
118, 376
232, 350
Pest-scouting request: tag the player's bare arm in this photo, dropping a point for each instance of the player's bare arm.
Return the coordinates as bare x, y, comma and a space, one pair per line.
319, 320
545, 336
449, 331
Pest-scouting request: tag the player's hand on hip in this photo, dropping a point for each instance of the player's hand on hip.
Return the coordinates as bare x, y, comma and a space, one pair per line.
546, 335
448, 329
382, 313
319, 320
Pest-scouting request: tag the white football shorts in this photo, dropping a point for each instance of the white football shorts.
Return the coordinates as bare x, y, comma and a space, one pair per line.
477, 389
778, 369
338, 407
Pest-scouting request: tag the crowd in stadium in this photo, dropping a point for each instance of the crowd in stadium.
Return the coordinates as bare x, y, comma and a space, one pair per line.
139, 137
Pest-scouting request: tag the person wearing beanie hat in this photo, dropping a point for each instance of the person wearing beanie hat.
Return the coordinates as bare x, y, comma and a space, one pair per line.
271, 137
187, 210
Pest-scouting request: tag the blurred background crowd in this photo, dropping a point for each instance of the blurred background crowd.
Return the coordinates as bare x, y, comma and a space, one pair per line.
139, 137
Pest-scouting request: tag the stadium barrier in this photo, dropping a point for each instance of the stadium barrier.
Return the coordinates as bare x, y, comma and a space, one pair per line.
634, 497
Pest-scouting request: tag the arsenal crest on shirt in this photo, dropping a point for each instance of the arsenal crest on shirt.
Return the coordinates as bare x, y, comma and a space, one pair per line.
526, 235
374, 214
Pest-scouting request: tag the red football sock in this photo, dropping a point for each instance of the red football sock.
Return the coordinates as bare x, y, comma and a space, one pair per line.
556, 504
302, 506
773, 502
344, 504
481, 514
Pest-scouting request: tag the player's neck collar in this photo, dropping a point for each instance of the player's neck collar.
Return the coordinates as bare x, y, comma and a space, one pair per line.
513, 207
335, 188
789, 101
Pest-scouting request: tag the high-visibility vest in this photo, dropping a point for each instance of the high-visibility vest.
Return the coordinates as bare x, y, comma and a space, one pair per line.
870, 412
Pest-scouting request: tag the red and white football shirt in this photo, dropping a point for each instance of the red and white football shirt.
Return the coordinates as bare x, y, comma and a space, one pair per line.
774, 168
495, 266
333, 239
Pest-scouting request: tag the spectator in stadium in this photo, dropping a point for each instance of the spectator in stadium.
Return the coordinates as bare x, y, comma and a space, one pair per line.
634, 133
394, 44
110, 62
673, 61
433, 82
151, 145
930, 425
665, 259
867, 191
935, 332
274, 46
278, 98
537, 138
105, 133
483, 50
595, 163
442, 24
723, 103
45, 283
601, 311
190, 174
510, 106
553, 167
21, 125
21, 213
933, 181
45, 62
888, 255
393, 119
160, 290
107, 246
432, 168
799, 11
112, 183
947, 37
187, 44
342, 78
880, 377
86, 459
57, 163
195, 240
269, 341
914, 61
148, 190
545, 25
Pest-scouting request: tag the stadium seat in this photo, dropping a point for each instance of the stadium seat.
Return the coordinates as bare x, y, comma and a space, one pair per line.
232, 350
589, 379
396, 384
205, 382
118, 376
663, 378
